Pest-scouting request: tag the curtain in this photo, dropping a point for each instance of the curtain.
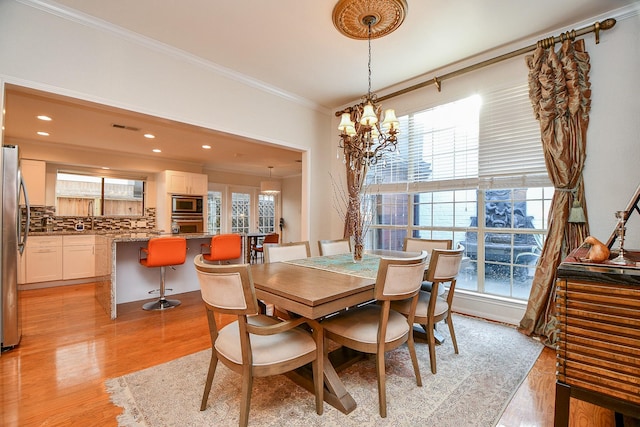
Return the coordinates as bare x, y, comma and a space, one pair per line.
560, 93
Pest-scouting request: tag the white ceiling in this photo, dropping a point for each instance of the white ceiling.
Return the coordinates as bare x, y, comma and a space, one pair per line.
292, 46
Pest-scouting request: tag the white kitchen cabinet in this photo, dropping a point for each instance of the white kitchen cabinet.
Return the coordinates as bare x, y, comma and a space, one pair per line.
34, 173
78, 257
178, 182
43, 259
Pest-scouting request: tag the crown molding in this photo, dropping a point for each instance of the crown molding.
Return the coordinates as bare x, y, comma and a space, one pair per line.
73, 15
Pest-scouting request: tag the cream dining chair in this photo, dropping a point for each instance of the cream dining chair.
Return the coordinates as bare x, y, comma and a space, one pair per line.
286, 251
375, 328
334, 247
444, 266
415, 244
253, 345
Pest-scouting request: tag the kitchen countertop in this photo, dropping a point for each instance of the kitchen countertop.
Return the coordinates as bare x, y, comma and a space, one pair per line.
123, 235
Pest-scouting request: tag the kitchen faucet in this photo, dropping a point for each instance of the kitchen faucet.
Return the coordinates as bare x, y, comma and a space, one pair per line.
90, 212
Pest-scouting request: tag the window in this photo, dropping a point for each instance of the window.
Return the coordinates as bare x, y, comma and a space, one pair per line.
214, 208
266, 213
240, 212
88, 195
478, 157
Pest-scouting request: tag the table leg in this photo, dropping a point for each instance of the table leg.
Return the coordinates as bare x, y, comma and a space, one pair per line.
335, 394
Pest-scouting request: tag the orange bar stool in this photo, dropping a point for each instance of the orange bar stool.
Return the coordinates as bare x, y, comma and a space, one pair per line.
163, 252
223, 247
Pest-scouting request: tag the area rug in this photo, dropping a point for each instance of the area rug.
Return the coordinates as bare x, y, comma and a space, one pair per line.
470, 389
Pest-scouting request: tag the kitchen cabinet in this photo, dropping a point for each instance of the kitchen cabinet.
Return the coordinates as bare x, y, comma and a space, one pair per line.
34, 173
43, 259
78, 257
178, 182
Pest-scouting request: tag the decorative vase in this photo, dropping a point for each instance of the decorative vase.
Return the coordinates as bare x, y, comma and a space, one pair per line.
357, 248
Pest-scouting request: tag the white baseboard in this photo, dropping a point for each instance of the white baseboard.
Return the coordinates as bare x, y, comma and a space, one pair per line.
489, 307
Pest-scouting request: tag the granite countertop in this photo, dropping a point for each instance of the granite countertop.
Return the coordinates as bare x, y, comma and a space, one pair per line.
145, 236
123, 235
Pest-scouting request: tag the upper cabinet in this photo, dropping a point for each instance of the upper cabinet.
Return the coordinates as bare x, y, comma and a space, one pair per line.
34, 173
178, 182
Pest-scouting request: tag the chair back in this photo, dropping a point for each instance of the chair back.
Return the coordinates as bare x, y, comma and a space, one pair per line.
224, 247
444, 265
226, 288
414, 244
271, 238
286, 251
399, 278
164, 251
334, 247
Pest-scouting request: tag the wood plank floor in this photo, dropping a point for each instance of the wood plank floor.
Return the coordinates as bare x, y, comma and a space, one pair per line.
69, 347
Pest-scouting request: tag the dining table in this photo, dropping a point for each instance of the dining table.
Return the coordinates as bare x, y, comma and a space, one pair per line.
317, 287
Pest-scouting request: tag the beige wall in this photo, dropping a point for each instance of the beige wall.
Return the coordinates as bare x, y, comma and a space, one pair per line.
49, 52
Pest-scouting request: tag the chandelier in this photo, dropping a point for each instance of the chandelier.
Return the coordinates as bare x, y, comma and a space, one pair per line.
365, 134
270, 187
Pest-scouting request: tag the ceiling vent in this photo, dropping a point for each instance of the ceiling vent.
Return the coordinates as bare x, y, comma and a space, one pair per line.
131, 128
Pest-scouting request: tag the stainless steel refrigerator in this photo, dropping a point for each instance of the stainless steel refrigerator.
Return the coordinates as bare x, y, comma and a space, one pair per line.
14, 238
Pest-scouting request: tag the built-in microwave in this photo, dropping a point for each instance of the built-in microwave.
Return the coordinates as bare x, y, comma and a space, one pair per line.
181, 205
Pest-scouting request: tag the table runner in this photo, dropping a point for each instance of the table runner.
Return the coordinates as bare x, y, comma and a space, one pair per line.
342, 263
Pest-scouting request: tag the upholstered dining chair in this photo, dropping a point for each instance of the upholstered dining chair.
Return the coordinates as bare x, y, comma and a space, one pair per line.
415, 244
223, 247
444, 266
286, 251
259, 248
334, 247
376, 328
253, 345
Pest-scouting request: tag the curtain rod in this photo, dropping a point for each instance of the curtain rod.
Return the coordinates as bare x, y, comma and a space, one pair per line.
548, 42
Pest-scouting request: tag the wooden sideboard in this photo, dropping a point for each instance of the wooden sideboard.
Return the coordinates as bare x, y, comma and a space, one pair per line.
598, 342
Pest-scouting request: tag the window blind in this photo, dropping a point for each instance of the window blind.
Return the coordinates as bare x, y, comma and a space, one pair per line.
510, 152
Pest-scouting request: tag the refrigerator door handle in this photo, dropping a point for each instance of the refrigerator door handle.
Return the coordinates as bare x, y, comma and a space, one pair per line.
22, 236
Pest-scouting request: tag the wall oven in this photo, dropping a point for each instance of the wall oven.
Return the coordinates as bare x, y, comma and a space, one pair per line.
186, 205
189, 223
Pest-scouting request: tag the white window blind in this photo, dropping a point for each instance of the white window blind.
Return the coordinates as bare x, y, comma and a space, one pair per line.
488, 141
510, 148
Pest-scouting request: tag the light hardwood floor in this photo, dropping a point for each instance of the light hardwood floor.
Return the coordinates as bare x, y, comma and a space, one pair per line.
69, 347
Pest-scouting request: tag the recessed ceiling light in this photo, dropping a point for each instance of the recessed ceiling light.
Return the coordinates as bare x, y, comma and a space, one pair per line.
157, 150
149, 135
43, 133
44, 118
206, 147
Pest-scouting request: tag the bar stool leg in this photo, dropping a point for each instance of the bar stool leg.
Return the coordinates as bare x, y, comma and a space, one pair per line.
162, 303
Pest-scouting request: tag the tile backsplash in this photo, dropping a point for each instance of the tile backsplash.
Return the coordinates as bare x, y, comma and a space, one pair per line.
41, 215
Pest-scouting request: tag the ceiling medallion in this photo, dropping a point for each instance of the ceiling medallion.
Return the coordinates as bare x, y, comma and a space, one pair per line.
349, 17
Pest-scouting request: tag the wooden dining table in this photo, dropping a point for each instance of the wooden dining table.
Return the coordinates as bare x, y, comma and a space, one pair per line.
314, 291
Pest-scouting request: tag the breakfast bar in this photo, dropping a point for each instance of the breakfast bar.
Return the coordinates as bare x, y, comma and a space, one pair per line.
128, 281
